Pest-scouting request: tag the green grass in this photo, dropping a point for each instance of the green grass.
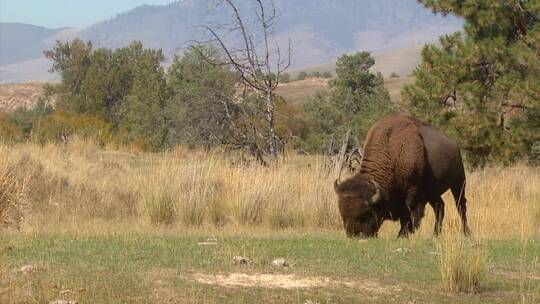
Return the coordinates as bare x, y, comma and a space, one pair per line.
160, 268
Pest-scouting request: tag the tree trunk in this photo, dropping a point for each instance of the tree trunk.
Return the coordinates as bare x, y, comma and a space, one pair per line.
341, 156
271, 118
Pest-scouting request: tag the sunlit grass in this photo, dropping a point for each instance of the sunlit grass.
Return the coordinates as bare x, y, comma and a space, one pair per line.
157, 207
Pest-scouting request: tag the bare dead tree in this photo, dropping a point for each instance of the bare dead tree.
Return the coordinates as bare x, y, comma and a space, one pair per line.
259, 62
349, 155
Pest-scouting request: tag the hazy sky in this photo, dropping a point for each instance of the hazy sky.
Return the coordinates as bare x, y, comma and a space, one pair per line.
71, 13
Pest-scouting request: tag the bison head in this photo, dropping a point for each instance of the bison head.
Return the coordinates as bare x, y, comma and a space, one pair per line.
357, 200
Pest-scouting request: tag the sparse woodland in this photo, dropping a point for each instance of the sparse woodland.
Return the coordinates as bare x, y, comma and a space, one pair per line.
481, 87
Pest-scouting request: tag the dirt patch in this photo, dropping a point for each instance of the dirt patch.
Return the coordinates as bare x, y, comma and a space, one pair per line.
287, 281
310, 81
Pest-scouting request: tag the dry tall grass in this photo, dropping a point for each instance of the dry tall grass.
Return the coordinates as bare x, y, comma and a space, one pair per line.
463, 264
79, 183
12, 204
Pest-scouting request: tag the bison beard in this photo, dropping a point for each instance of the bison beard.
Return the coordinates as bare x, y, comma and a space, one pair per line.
406, 164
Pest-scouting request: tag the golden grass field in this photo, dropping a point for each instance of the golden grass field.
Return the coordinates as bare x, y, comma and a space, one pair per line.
79, 183
106, 226
297, 92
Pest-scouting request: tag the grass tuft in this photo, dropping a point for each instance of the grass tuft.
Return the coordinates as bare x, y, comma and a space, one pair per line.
463, 265
160, 208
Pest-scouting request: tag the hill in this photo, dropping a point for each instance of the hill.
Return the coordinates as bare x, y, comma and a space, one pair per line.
320, 30
27, 94
13, 96
20, 42
400, 61
300, 91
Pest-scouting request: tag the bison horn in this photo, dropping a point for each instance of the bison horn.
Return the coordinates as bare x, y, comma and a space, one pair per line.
377, 196
336, 186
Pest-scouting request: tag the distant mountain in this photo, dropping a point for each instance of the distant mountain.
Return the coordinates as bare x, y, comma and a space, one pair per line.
20, 42
320, 30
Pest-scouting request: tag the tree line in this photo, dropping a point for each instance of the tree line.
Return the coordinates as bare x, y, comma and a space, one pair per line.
481, 86
125, 95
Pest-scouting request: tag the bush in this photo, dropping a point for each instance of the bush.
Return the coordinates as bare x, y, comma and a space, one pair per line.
61, 125
394, 75
463, 265
29, 119
302, 75
326, 75
9, 131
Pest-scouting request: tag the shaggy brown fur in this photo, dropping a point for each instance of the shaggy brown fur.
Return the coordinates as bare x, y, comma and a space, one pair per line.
406, 164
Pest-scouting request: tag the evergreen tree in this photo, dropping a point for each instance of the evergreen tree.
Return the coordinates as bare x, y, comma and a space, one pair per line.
142, 112
125, 87
358, 98
201, 106
71, 61
483, 86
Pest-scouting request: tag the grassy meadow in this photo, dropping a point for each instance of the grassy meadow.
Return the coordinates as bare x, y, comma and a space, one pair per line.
91, 225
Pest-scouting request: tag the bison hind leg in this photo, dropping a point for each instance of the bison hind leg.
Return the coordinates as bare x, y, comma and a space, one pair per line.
438, 207
458, 192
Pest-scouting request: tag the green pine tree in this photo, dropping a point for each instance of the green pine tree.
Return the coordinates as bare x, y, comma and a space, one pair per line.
357, 98
201, 106
483, 86
142, 112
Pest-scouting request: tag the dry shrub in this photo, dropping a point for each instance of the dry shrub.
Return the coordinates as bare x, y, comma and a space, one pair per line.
12, 204
282, 215
200, 198
158, 197
160, 208
463, 264
41, 185
191, 199
216, 209
61, 125
9, 131
251, 201
186, 190
325, 212
128, 201
285, 208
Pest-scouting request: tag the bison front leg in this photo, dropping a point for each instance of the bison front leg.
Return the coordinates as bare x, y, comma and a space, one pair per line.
438, 207
413, 213
406, 226
410, 221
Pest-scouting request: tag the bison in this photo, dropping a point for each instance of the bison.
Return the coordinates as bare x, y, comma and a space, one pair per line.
406, 163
